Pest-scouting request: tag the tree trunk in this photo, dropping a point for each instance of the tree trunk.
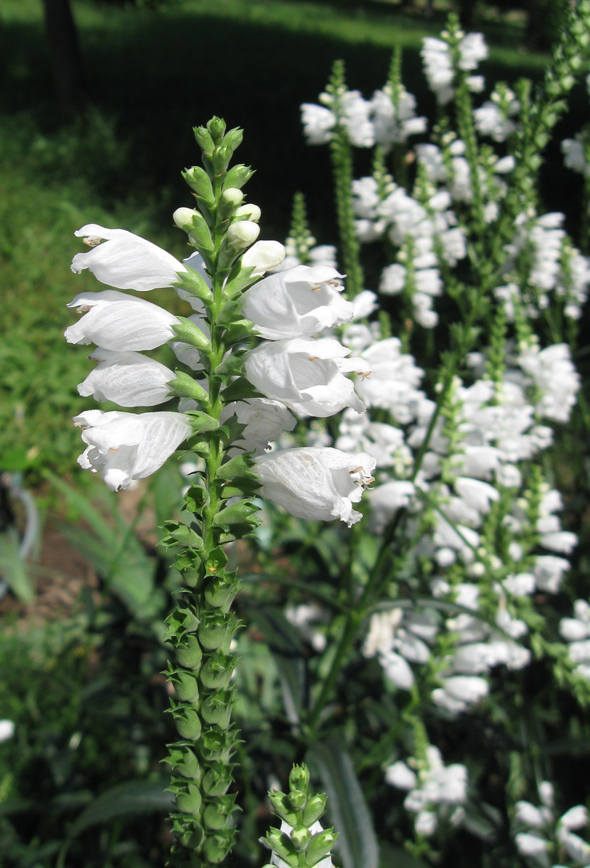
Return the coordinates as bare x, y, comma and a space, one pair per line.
68, 70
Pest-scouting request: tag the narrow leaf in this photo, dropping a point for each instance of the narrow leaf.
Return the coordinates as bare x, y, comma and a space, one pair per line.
357, 842
131, 797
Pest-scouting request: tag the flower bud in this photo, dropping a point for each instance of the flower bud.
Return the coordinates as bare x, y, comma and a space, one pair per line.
300, 837
281, 805
215, 816
252, 212
282, 845
193, 839
319, 846
220, 592
216, 781
216, 631
233, 138
183, 218
298, 799
204, 140
190, 801
263, 256
221, 157
216, 849
242, 234
299, 777
216, 709
216, 671
233, 197
187, 723
314, 809
189, 766
186, 687
199, 181
216, 128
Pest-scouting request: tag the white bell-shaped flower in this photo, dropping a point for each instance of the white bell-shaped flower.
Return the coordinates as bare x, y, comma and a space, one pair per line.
298, 301
316, 483
125, 260
127, 446
129, 379
116, 321
306, 375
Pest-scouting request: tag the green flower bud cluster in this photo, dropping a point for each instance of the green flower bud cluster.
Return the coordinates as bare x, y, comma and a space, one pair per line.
300, 842
218, 507
300, 239
342, 169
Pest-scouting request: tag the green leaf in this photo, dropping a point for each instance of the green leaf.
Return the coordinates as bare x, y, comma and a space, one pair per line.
396, 857
239, 390
236, 466
357, 842
131, 797
13, 567
238, 513
285, 645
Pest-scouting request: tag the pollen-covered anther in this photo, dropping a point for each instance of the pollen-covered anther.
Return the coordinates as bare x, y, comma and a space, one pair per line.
92, 241
313, 358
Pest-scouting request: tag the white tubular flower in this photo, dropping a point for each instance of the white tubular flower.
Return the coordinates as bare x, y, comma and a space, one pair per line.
128, 379
318, 123
305, 375
123, 447
397, 670
298, 301
115, 321
125, 260
264, 420
459, 692
316, 483
533, 846
263, 256
401, 776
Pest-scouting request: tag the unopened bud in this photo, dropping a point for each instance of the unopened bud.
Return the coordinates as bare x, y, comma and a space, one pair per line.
183, 218
299, 777
242, 234
298, 799
186, 687
187, 723
314, 809
319, 846
232, 196
216, 128
252, 212
190, 801
300, 837
263, 256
